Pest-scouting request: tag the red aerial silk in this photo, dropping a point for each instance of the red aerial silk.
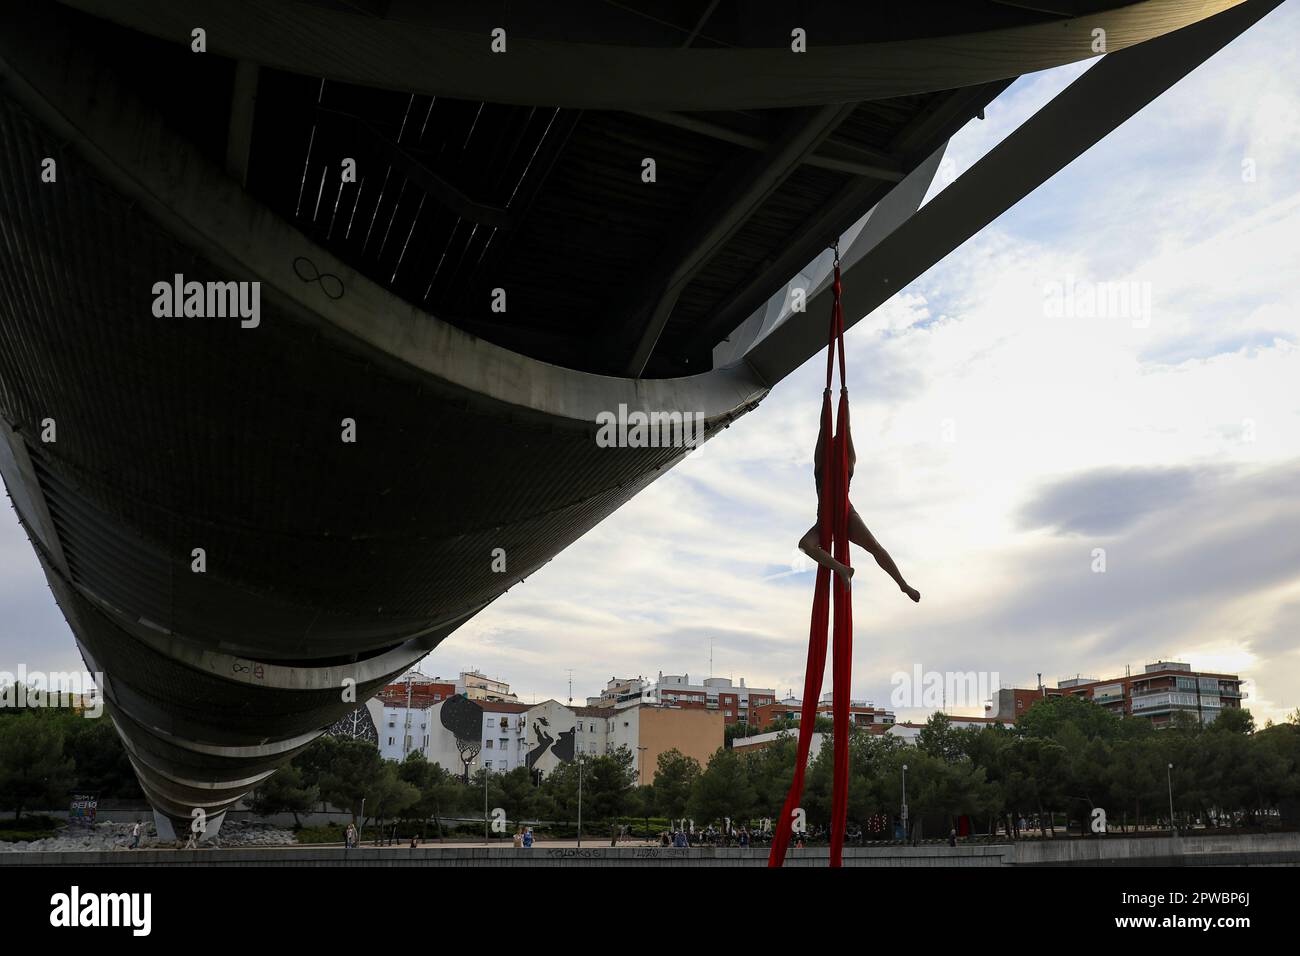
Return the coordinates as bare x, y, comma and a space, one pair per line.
833, 531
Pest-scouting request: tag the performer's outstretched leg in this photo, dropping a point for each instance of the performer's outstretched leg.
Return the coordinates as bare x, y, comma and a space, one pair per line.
861, 535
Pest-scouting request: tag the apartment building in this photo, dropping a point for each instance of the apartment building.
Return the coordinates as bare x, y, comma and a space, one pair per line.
862, 713
735, 702
1162, 689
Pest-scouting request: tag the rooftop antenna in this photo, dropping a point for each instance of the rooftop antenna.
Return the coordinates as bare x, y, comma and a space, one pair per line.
710, 658
570, 685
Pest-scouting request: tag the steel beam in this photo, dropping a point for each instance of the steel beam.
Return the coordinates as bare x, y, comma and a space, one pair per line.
239, 137
872, 164
713, 225
422, 53
1082, 114
845, 208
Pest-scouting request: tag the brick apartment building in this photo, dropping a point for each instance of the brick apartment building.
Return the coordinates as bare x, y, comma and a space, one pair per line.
861, 713
736, 703
1157, 693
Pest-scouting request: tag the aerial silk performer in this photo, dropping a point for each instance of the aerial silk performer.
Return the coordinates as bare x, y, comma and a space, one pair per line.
827, 543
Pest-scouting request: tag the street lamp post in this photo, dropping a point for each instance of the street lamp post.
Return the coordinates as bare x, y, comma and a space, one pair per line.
579, 799
904, 803
1169, 779
486, 838
640, 771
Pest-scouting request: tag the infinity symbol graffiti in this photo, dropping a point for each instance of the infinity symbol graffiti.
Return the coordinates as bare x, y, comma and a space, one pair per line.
306, 270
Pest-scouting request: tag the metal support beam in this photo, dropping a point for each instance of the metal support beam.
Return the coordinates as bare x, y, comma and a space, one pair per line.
943, 118
243, 102
1082, 114
437, 188
721, 219
840, 157
845, 208
422, 53
699, 24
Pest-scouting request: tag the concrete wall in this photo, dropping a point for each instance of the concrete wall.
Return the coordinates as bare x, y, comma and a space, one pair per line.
508, 856
1247, 850
1244, 850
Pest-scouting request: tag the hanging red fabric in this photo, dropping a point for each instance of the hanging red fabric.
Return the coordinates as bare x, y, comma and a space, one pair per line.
833, 532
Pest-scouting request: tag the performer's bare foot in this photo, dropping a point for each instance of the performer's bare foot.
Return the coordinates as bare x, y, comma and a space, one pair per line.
844, 571
913, 593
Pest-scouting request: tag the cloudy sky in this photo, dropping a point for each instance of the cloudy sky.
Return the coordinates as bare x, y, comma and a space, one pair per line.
1004, 434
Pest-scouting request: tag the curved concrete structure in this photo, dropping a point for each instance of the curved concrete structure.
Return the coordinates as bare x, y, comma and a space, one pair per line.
240, 573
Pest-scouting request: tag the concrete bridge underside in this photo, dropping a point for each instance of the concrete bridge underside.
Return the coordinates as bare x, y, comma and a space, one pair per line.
332, 564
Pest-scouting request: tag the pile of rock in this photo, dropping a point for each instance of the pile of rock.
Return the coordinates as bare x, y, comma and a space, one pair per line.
117, 836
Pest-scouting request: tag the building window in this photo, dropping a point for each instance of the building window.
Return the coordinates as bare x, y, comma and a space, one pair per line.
488, 743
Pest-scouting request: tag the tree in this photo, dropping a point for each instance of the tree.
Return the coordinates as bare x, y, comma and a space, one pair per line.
1036, 773
284, 792
33, 768
1088, 779
99, 757
441, 791
560, 790
352, 776
517, 793
390, 796
674, 777
315, 759
1134, 781
939, 738
608, 781
1048, 716
722, 790
769, 771
1236, 720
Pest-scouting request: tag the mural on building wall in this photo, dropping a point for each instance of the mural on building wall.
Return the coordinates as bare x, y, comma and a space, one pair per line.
560, 748
563, 749
544, 740
464, 719
357, 725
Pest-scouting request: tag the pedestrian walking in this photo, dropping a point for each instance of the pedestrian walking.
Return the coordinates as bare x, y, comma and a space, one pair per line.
135, 836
